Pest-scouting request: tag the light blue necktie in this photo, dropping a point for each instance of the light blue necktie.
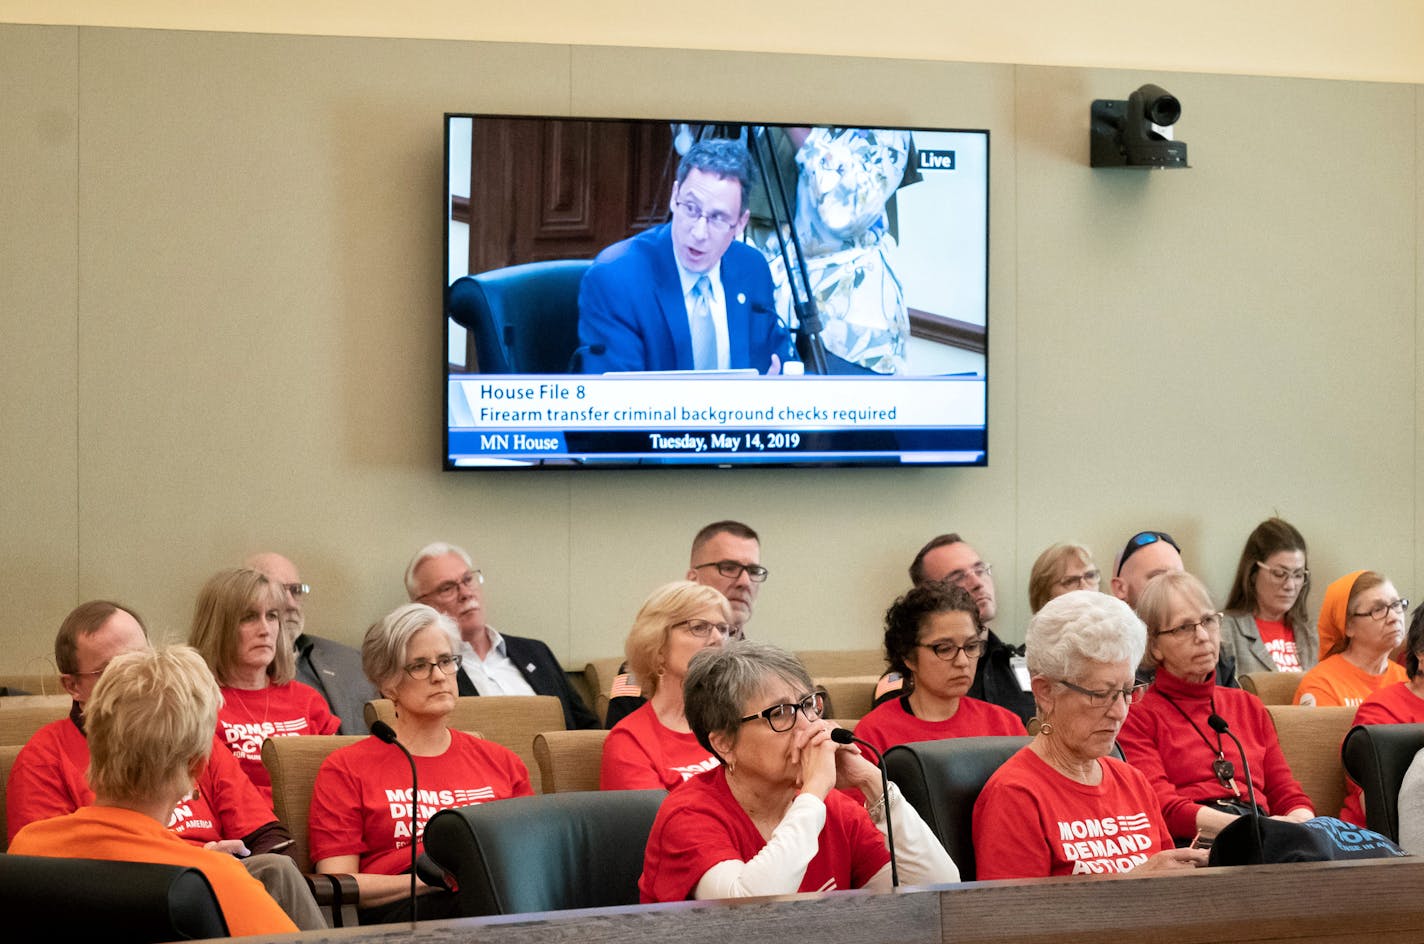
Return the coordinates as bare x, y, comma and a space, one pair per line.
699, 320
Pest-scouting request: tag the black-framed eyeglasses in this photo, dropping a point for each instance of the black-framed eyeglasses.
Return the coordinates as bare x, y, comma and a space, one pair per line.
1210, 622
1129, 696
1381, 610
957, 577
297, 590
703, 628
717, 222
947, 651
1085, 580
420, 670
782, 718
447, 591
1140, 540
733, 569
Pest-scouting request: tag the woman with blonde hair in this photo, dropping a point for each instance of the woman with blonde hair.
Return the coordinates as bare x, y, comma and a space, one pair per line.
237, 628
654, 746
1197, 772
1060, 569
150, 729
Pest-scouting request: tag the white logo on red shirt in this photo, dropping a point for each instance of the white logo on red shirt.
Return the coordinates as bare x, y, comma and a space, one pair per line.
1110, 844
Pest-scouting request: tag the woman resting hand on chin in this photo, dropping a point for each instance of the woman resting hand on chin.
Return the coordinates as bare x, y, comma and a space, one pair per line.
771, 820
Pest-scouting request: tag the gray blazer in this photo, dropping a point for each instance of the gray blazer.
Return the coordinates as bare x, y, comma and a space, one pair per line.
1240, 639
335, 670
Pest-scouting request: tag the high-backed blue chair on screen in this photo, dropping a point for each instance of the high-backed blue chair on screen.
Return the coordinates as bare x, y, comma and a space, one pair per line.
524, 318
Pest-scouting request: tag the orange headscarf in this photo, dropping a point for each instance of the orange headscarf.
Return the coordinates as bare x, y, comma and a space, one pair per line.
1334, 612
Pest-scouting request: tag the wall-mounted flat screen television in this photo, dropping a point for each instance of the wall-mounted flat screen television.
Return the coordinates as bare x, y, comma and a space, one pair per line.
623, 293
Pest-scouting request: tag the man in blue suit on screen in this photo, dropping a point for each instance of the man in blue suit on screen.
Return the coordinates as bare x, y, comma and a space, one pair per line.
686, 295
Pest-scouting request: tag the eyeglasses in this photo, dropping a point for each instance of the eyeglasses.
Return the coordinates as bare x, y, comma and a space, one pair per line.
1282, 574
702, 628
783, 717
1381, 610
297, 590
957, 577
447, 591
1140, 540
948, 650
692, 211
1210, 622
1087, 579
1129, 696
420, 670
733, 569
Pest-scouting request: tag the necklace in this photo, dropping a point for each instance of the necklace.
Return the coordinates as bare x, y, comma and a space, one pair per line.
1223, 769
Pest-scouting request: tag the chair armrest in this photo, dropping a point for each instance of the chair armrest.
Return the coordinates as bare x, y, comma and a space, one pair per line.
337, 895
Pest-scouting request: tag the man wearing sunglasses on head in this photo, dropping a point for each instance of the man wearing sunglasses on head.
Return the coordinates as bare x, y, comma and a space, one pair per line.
443, 576
726, 555
1149, 554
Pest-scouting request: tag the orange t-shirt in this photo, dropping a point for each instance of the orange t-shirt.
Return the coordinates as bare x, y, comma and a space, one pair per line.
111, 833
1337, 681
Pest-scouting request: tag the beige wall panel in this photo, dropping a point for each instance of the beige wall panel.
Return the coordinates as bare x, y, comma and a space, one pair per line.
1210, 345
261, 327
38, 303
837, 541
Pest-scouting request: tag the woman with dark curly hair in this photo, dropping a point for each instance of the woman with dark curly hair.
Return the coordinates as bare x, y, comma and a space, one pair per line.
934, 638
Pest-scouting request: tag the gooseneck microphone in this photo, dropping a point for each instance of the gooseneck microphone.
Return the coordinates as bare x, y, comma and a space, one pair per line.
1219, 725
386, 733
842, 736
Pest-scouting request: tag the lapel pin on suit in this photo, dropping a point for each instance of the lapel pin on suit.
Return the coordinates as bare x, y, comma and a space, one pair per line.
741, 298
529, 667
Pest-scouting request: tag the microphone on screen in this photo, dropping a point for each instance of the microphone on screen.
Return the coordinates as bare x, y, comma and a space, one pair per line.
386, 733
1219, 725
842, 736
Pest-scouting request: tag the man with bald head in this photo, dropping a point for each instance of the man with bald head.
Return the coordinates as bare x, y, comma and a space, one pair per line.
327, 666
1149, 554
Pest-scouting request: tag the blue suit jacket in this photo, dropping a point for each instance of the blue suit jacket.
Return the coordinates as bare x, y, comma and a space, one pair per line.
632, 315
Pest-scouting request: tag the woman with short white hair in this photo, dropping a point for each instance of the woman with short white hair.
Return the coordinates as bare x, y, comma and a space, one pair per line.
1041, 812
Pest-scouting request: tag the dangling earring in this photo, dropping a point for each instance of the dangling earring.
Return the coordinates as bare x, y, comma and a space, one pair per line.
731, 766
1037, 725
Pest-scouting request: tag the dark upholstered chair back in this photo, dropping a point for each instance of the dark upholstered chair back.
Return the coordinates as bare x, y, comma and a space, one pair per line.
545, 853
114, 902
524, 317
942, 779
1376, 757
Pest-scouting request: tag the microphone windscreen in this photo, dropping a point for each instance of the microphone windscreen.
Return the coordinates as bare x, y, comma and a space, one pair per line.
1217, 722
384, 732
842, 736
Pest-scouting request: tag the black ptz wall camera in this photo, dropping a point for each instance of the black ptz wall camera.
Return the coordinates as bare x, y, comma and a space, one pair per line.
1126, 133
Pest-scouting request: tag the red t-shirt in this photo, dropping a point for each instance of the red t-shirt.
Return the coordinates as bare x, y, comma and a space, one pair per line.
701, 824
1031, 821
361, 798
890, 724
1177, 758
1393, 704
1279, 640
250, 716
641, 753
50, 778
